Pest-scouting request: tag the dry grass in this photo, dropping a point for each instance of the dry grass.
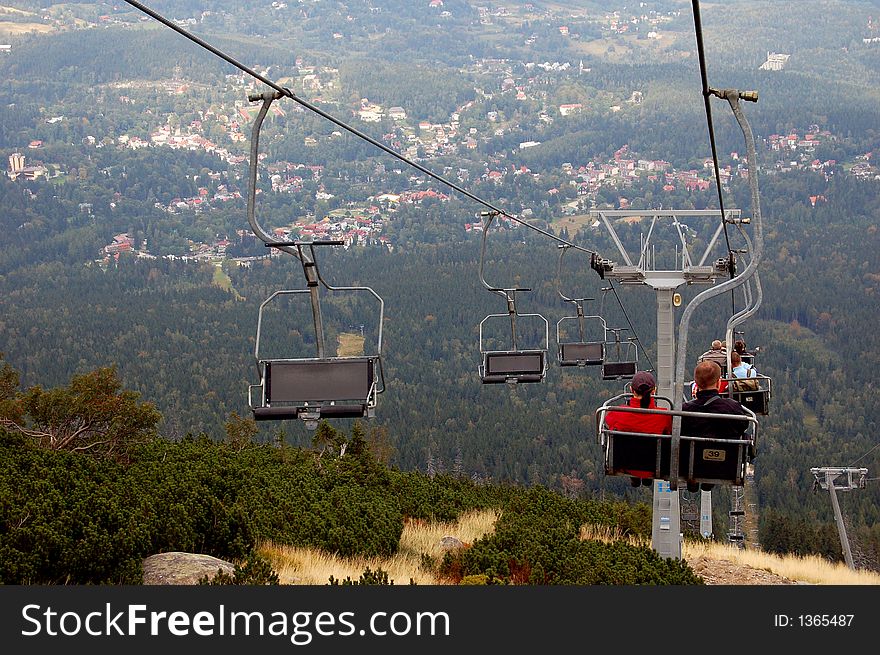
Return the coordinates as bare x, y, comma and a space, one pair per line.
14, 10
608, 534
809, 569
24, 28
309, 566
350, 345
572, 223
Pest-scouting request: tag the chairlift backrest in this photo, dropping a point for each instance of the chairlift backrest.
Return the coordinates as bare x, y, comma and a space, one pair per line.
706, 460
319, 381
514, 367
581, 354
618, 370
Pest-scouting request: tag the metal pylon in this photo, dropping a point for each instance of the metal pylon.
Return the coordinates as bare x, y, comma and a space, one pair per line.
836, 479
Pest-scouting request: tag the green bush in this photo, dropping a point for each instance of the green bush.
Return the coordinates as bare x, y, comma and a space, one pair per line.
536, 542
69, 518
256, 571
379, 577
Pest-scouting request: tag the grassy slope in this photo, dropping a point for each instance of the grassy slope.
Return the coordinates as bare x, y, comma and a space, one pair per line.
308, 566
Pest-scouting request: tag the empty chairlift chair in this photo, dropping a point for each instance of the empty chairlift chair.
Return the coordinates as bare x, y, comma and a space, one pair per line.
582, 351
513, 365
321, 387
702, 460
308, 388
625, 360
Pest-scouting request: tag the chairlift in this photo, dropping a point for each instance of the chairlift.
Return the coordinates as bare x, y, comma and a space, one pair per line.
703, 460
752, 392
308, 388
321, 387
581, 352
513, 365
626, 357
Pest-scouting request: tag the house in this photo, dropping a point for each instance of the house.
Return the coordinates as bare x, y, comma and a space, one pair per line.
397, 113
565, 110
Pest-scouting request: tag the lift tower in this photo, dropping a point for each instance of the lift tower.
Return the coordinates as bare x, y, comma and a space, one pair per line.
666, 531
836, 479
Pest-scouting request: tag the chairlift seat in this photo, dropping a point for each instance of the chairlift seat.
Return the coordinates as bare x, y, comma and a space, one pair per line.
704, 460
618, 370
513, 366
756, 399
332, 388
582, 353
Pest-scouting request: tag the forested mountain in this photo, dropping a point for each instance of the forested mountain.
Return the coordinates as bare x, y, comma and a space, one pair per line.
182, 335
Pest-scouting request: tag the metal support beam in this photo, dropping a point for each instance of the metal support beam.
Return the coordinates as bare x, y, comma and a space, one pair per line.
838, 517
830, 478
666, 530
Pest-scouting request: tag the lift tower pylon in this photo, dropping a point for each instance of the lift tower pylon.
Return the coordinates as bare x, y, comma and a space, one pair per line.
666, 530
836, 479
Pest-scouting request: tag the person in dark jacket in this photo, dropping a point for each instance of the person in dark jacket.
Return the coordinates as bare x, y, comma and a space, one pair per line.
707, 377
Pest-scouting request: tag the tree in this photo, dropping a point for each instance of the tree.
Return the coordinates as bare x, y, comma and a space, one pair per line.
92, 415
9, 409
240, 431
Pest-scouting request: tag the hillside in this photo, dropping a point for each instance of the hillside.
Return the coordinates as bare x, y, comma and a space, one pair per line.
123, 240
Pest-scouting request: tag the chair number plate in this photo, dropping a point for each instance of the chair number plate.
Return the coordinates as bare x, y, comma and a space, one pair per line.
713, 455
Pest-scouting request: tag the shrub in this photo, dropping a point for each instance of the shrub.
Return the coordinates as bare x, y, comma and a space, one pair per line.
536, 542
256, 571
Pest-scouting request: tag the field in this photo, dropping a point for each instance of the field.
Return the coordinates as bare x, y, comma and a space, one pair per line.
16, 29
350, 345
572, 223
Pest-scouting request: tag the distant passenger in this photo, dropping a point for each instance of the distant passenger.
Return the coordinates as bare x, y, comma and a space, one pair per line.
717, 354
745, 355
745, 372
741, 369
643, 387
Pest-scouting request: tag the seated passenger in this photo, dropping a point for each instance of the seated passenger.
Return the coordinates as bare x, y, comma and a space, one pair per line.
643, 387
717, 354
707, 377
741, 369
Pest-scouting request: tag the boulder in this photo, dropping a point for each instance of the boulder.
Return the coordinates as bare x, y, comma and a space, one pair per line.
182, 568
451, 543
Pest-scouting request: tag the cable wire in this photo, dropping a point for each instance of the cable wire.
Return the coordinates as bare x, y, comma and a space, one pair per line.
352, 130
629, 323
704, 76
876, 446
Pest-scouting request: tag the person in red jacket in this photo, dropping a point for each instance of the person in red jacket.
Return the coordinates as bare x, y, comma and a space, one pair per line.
643, 387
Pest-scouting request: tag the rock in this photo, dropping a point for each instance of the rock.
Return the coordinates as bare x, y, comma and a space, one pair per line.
451, 543
182, 568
